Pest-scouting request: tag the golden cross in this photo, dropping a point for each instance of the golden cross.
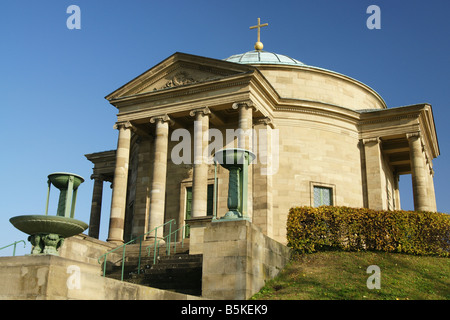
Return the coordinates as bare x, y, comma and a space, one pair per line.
258, 44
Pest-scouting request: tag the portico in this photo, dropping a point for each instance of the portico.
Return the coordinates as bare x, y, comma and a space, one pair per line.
199, 170
104, 165
403, 143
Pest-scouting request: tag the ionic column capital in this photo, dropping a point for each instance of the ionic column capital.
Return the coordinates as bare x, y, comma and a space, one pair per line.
162, 118
123, 125
205, 110
413, 135
267, 121
243, 104
97, 177
371, 140
416, 136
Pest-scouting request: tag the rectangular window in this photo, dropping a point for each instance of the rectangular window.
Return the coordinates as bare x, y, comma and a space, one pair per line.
323, 196
209, 210
210, 200
188, 202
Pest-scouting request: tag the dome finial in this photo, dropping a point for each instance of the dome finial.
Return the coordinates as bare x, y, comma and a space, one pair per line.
258, 45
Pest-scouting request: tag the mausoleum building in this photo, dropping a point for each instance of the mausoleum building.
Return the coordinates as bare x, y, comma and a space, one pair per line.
320, 138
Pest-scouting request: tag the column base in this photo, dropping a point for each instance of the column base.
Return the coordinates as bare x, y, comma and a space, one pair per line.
150, 240
115, 241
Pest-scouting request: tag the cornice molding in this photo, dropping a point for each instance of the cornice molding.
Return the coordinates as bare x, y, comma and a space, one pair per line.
387, 118
175, 62
351, 117
181, 91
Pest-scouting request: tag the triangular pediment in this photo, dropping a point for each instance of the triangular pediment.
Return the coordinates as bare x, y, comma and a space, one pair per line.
178, 70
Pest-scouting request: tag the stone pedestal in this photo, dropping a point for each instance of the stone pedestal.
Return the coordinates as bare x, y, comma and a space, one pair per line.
50, 277
197, 226
237, 259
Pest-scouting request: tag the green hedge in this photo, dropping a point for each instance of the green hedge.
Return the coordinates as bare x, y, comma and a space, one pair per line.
324, 228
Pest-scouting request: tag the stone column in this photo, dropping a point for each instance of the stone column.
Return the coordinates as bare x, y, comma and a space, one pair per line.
374, 181
158, 184
397, 203
143, 185
96, 206
431, 192
119, 194
245, 125
418, 172
245, 141
263, 171
200, 172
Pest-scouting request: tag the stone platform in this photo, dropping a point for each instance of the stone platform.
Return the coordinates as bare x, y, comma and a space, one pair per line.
49, 277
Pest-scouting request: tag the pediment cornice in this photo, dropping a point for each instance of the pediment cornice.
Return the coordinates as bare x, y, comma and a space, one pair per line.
178, 70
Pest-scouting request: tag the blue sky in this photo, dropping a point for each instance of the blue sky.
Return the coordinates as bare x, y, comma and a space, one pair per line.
53, 80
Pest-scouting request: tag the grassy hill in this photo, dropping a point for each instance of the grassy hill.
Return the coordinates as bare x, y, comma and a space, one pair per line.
341, 275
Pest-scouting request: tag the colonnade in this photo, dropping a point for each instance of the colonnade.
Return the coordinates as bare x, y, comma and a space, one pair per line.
158, 182
375, 165
421, 173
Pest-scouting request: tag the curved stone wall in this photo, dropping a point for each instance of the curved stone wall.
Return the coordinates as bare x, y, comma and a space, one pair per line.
314, 84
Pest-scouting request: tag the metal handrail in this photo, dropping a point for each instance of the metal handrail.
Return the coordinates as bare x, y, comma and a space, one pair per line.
105, 255
14, 244
168, 242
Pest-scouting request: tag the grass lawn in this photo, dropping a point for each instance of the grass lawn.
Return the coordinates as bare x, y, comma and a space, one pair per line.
338, 275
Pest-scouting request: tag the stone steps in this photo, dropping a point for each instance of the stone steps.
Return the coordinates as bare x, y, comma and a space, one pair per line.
179, 272
133, 249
